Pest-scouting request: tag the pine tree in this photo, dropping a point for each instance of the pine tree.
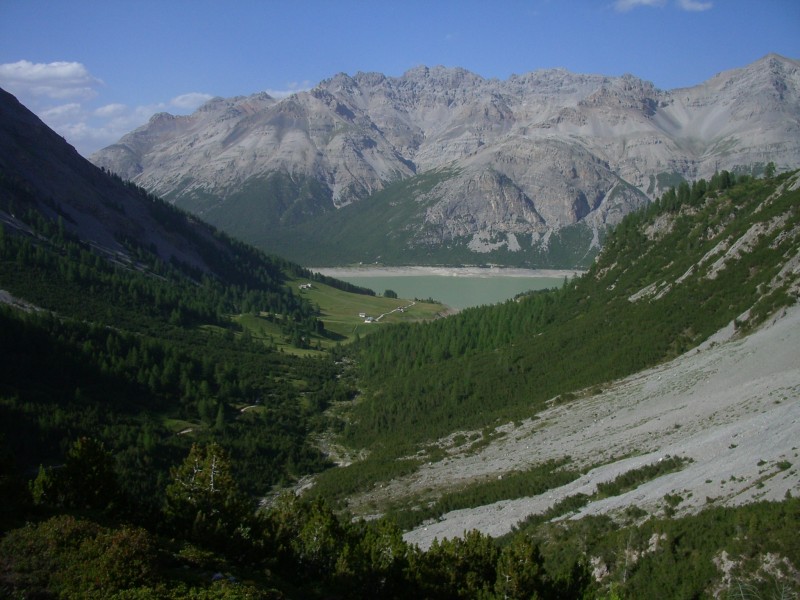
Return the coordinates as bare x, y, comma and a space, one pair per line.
203, 499
219, 423
87, 479
520, 571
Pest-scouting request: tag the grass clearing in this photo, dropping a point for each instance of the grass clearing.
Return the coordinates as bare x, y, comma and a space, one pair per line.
179, 425
341, 312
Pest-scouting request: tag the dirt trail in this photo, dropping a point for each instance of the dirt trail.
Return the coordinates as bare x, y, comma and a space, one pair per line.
732, 406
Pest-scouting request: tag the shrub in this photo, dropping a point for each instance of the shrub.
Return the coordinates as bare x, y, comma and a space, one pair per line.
76, 558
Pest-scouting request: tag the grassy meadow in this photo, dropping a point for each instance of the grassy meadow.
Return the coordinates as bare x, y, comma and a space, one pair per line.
340, 312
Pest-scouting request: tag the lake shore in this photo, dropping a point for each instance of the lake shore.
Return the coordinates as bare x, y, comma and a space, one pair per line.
414, 271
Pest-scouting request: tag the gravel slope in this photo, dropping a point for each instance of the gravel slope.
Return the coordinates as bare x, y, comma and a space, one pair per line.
731, 405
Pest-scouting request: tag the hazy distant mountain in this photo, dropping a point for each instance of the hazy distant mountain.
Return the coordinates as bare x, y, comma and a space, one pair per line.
518, 160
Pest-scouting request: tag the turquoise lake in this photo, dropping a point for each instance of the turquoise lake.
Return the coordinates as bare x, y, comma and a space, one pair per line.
457, 288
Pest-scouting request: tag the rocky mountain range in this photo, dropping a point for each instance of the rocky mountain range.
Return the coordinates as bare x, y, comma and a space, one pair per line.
518, 160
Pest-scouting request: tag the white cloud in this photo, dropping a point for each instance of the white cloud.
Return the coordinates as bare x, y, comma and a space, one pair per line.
45, 87
91, 129
110, 110
694, 6
689, 5
626, 5
55, 80
62, 111
291, 88
190, 101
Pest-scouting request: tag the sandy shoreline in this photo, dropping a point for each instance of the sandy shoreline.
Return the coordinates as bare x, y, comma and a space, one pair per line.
371, 271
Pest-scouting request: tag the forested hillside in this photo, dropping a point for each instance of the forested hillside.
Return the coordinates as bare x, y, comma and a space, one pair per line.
116, 324
384, 227
668, 277
134, 351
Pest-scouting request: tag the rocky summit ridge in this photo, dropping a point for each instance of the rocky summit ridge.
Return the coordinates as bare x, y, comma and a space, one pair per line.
521, 158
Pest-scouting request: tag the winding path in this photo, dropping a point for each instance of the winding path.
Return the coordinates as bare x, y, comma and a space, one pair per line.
399, 308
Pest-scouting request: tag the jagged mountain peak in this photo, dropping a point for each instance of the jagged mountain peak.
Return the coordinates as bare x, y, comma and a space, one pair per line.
237, 104
772, 61
450, 76
161, 117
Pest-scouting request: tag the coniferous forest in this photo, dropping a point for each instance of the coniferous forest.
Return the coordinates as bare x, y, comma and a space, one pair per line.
150, 443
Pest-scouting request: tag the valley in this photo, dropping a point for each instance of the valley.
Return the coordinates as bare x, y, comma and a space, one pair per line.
165, 390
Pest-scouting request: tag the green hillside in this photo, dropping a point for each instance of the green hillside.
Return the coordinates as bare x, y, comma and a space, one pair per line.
260, 207
340, 312
132, 353
654, 293
113, 346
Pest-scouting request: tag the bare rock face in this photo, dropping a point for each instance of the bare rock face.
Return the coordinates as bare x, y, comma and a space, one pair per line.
531, 154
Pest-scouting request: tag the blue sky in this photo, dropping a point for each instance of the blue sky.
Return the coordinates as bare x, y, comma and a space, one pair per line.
94, 70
